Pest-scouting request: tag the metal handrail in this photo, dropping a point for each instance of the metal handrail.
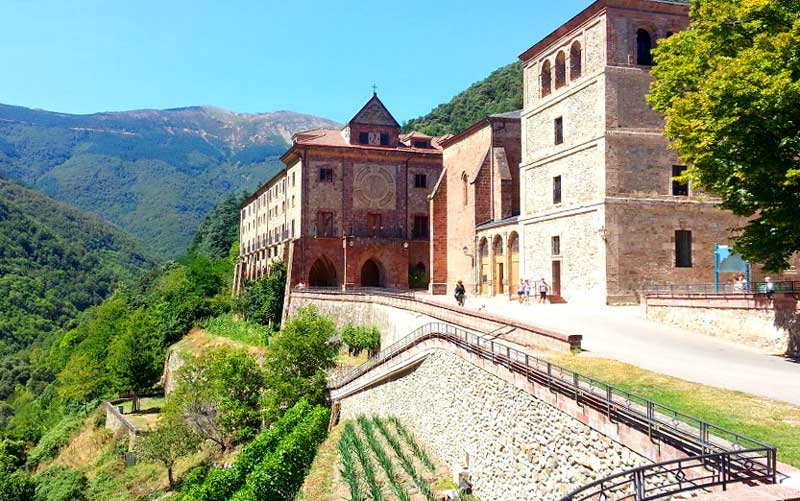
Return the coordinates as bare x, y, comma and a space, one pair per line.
784, 286
690, 434
660, 480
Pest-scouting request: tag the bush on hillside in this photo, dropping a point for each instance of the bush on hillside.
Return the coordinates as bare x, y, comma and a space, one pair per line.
358, 339
59, 483
56, 438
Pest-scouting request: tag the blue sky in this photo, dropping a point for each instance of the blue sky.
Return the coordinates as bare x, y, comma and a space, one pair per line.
255, 56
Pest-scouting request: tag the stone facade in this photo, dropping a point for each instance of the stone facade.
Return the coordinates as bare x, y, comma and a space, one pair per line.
350, 207
599, 209
475, 207
513, 445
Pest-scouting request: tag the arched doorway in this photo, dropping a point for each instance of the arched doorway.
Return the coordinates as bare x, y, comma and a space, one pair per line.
499, 266
371, 274
513, 263
483, 266
417, 276
322, 274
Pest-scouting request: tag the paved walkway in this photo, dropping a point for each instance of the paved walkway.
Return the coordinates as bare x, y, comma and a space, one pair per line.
620, 333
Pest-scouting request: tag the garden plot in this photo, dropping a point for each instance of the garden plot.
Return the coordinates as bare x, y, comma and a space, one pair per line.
381, 460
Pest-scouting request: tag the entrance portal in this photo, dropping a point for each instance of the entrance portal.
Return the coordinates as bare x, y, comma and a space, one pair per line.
371, 274
322, 274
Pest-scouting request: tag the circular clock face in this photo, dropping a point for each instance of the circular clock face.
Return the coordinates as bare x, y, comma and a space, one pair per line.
374, 187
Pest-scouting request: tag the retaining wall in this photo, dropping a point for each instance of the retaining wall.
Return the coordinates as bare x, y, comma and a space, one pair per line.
397, 316
514, 445
750, 319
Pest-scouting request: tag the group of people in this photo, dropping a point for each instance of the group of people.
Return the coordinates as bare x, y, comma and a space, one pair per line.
740, 285
523, 291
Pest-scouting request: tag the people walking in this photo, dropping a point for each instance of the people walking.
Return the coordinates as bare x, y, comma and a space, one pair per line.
769, 288
460, 293
521, 290
543, 290
527, 290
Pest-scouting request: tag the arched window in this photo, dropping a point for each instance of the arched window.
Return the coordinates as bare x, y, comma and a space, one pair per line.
465, 186
546, 79
575, 63
644, 46
561, 70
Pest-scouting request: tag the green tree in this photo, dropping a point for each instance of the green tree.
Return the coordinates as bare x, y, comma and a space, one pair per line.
166, 444
262, 299
730, 90
220, 229
295, 364
218, 396
135, 357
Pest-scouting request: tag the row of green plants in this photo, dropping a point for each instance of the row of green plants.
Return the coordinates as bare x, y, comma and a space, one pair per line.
352, 447
383, 459
272, 466
361, 338
354, 443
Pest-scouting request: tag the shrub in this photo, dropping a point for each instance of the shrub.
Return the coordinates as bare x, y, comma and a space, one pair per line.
348, 468
17, 486
60, 483
262, 300
359, 339
281, 473
52, 441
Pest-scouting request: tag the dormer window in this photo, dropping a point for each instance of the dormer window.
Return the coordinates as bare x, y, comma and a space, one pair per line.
363, 137
420, 143
384, 139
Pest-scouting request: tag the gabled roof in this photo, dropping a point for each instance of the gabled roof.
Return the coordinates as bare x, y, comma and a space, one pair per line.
438, 184
374, 113
477, 169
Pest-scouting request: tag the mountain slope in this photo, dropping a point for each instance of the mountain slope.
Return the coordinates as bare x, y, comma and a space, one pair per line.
54, 262
500, 92
155, 173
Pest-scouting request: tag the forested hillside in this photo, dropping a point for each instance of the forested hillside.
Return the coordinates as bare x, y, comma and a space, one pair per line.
500, 92
154, 173
55, 261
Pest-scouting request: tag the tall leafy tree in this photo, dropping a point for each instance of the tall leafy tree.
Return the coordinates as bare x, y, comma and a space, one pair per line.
295, 364
730, 89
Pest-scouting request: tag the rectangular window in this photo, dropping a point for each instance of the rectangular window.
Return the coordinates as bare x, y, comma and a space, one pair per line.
420, 144
420, 181
374, 223
324, 224
292, 179
384, 139
555, 246
326, 175
559, 130
557, 190
679, 189
292, 228
363, 137
420, 229
683, 249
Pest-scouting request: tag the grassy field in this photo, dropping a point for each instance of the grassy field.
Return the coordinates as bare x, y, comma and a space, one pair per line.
776, 423
241, 331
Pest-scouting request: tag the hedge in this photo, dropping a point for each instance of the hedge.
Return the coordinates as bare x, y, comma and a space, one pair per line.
282, 472
220, 484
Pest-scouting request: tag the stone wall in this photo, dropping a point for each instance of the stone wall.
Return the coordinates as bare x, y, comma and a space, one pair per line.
748, 319
398, 316
514, 445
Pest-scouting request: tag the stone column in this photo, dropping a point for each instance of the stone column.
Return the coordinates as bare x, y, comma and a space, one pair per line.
490, 284
507, 287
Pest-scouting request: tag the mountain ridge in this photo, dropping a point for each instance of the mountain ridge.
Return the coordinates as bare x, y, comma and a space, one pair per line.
154, 173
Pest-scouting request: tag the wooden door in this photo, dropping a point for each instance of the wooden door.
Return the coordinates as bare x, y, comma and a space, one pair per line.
556, 283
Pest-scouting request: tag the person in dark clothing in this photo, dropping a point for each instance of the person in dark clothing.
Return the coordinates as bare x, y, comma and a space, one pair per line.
461, 293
